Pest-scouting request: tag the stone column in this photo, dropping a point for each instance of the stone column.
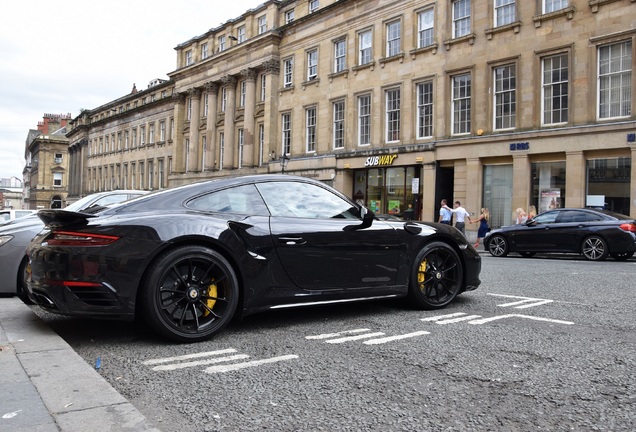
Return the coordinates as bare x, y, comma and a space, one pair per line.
427, 186
178, 165
271, 121
520, 181
575, 189
212, 91
194, 152
250, 154
229, 82
473, 189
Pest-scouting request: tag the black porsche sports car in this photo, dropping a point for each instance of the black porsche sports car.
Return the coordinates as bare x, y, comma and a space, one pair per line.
595, 234
192, 257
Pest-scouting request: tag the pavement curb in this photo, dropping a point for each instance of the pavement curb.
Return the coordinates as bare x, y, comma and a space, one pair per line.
48, 387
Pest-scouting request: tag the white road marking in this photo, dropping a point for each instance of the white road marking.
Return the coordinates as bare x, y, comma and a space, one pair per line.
487, 320
330, 335
394, 338
524, 303
238, 366
176, 366
440, 317
451, 318
354, 338
189, 356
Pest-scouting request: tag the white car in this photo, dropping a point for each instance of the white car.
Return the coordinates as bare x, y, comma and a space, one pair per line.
9, 215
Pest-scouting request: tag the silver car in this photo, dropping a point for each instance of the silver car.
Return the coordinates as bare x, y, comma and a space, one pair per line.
16, 235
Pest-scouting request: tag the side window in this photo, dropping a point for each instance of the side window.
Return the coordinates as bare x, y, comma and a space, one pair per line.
110, 199
305, 200
578, 216
238, 200
547, 218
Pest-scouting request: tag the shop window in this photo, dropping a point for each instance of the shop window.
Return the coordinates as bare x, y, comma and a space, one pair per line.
498, 194
548, 185
608, 184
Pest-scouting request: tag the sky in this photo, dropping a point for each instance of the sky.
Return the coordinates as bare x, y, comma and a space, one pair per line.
61, 57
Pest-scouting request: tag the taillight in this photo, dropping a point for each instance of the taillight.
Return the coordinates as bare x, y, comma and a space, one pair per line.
70, 238
631, 227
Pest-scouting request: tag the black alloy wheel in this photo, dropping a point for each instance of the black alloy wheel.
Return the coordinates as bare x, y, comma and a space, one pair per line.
437, 276
191, 293
498, 246
594, 248
624, 256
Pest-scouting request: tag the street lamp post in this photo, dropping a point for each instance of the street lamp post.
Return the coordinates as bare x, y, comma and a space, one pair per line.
284, 160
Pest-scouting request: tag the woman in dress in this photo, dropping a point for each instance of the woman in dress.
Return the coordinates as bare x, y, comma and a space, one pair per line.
484, 215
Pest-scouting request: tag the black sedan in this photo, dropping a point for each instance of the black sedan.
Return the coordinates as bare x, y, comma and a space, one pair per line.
595, 234
190, 258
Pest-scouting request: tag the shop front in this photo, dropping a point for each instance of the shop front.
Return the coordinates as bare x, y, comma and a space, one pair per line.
385, 187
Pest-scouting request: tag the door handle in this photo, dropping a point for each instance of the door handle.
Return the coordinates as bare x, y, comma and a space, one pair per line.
291, 241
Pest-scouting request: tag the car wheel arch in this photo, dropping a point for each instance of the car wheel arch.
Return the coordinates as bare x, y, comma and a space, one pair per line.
193, 241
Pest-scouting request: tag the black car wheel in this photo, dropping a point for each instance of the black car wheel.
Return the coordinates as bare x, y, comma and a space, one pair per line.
191, 293
594, 248
498, 246
437, 276
622, 256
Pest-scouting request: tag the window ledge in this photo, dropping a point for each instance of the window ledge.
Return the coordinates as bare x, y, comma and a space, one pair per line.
314, 81
398, 57
286, 89
596, 4
432, 48
470, 38
515, 27
370, 65
568, 12
343, 73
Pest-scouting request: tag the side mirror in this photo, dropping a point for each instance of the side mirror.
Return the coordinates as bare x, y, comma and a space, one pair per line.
367, 219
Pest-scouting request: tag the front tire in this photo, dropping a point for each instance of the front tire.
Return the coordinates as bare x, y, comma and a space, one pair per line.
498, 246
191, 293
437, 276
594, 248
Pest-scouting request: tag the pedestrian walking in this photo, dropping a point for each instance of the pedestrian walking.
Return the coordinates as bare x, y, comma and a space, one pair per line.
445, 213
484, 226
461, 214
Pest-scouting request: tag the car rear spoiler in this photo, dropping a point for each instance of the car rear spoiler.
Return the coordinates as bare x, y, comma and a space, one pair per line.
57, 217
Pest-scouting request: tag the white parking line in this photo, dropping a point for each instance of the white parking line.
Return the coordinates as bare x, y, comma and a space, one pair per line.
394, 338
524, 303
487, 320
189, 356
330, 335
354, 338
450, 318
238, 366
440, 317
175, 366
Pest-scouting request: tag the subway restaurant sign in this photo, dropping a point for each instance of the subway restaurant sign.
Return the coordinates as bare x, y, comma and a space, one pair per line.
380, 160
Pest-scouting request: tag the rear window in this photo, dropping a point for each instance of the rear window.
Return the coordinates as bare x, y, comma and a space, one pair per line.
239, 200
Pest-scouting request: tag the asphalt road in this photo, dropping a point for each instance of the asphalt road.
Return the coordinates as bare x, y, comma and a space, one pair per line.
543, 344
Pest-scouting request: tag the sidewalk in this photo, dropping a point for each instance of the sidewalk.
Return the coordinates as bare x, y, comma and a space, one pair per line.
46, 387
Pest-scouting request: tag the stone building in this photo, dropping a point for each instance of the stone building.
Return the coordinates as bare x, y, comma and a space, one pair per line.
500, 104
124, 144
46, 171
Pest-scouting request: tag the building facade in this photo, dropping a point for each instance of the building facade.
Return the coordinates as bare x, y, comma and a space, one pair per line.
498, 104
46, 171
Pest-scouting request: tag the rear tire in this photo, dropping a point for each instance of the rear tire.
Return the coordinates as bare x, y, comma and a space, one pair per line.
437, 276
190, 294
594, 248
23, 293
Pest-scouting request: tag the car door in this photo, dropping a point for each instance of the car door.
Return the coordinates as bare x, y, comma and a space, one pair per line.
535, 235
322, 241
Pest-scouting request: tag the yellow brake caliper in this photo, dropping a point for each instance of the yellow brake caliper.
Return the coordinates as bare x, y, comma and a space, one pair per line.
212, 292
421, 274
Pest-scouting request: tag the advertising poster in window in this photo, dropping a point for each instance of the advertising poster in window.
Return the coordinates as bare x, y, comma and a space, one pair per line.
550, 199
394, 207
374, 205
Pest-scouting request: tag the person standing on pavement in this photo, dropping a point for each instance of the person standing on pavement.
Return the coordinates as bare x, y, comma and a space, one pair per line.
462, 215
445, 213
